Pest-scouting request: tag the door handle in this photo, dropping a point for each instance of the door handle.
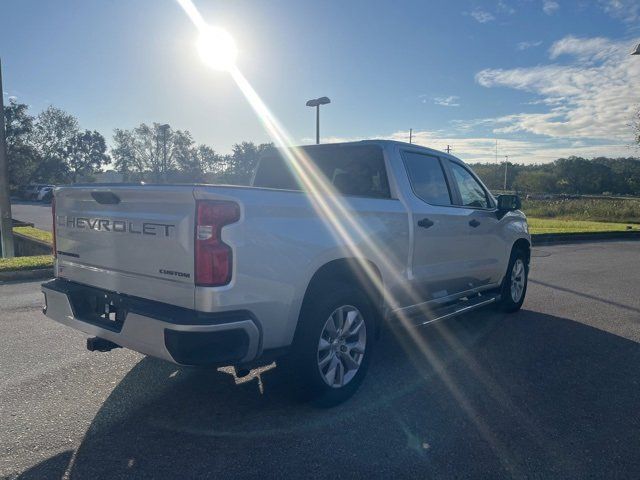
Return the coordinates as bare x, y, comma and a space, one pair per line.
474, 223
425, 223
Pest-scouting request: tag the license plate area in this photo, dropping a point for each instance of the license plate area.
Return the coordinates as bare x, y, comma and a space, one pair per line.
104, 309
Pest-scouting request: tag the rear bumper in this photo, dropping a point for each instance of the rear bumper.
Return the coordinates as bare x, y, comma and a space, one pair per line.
176, 334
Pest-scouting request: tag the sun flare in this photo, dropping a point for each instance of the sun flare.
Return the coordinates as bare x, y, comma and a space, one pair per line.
217, 48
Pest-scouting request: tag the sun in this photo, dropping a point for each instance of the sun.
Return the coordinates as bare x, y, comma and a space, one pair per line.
217, 48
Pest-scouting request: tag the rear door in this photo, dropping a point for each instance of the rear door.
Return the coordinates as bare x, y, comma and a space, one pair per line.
137, 240
438, 267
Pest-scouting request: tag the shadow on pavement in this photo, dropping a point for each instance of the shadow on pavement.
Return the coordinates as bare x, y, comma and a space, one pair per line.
586, 295
501, 396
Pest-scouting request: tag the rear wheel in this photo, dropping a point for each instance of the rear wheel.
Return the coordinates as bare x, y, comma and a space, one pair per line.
514, 285
333, 346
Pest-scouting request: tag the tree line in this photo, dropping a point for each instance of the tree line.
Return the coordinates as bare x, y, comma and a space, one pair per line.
50, 147
573, 175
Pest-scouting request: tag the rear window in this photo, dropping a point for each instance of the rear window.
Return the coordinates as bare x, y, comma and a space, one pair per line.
352, 170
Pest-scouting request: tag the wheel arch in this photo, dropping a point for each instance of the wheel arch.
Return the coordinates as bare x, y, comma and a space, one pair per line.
348, 270
524, 245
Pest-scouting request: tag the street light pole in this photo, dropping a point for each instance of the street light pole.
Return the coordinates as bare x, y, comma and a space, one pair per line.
316, 102
318, 124
6, 224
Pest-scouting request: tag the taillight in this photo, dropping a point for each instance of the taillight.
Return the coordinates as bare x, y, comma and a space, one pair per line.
213, 257
53, 213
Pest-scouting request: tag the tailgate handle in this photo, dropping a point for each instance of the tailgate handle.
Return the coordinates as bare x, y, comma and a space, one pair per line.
106, 198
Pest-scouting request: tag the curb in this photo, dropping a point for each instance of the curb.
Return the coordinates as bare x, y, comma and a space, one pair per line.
20, 223
22, 275
538, 239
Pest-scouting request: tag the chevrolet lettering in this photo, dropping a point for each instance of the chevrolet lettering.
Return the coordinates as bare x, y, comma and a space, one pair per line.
108, 225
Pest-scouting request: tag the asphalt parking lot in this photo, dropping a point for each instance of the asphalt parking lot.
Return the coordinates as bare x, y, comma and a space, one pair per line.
37, 213
550, 392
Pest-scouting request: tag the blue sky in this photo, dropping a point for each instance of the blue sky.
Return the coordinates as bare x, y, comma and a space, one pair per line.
546, 78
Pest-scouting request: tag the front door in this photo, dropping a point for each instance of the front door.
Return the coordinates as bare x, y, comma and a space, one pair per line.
484, 248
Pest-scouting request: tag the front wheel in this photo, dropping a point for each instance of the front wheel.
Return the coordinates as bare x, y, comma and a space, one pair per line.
333, 346
514, 285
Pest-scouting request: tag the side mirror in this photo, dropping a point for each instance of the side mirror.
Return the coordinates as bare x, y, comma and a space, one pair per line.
508, 203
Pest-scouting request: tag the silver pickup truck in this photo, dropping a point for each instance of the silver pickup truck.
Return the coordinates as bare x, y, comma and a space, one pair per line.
306, 265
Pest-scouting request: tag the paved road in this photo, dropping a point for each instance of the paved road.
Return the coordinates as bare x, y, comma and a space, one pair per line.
34, 212
550, 392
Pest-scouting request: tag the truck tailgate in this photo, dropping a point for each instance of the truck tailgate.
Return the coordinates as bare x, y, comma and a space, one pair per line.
137, 240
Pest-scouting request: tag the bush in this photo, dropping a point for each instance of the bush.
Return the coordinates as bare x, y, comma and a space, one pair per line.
25, 263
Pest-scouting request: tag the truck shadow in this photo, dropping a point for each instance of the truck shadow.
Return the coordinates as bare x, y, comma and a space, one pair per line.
484, 395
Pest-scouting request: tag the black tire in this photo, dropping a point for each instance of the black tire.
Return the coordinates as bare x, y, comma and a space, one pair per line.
507, 302
301, 365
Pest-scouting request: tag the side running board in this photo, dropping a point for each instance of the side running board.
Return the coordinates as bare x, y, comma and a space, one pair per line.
429, 315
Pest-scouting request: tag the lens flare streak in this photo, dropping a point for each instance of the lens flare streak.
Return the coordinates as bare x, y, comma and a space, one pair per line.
350, 233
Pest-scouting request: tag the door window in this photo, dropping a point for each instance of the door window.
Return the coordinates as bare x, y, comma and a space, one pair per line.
471, 192
427, 178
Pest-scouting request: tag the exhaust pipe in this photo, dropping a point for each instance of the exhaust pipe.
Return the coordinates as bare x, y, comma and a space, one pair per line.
97, 344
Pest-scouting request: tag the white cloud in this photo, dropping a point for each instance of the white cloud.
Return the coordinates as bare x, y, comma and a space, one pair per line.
527, 45
477, 149
505, 7
450, 101
594, 96
482, 16
550, 6
625, 10
584, 49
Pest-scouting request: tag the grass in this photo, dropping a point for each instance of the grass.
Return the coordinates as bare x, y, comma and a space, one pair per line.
554, 225
614, 210
25, 263
35, 233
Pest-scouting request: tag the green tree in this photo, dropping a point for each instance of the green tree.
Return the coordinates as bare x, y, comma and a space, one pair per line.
242, 162
53, 130
21, 154
139, 154
209, 162
194, 162
148, 145
85, 153
181, 151
535, 181
124, 156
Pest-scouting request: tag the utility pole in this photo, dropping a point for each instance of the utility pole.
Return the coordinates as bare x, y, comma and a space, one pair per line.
506, 163
6, 224
448, 148
411, 135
